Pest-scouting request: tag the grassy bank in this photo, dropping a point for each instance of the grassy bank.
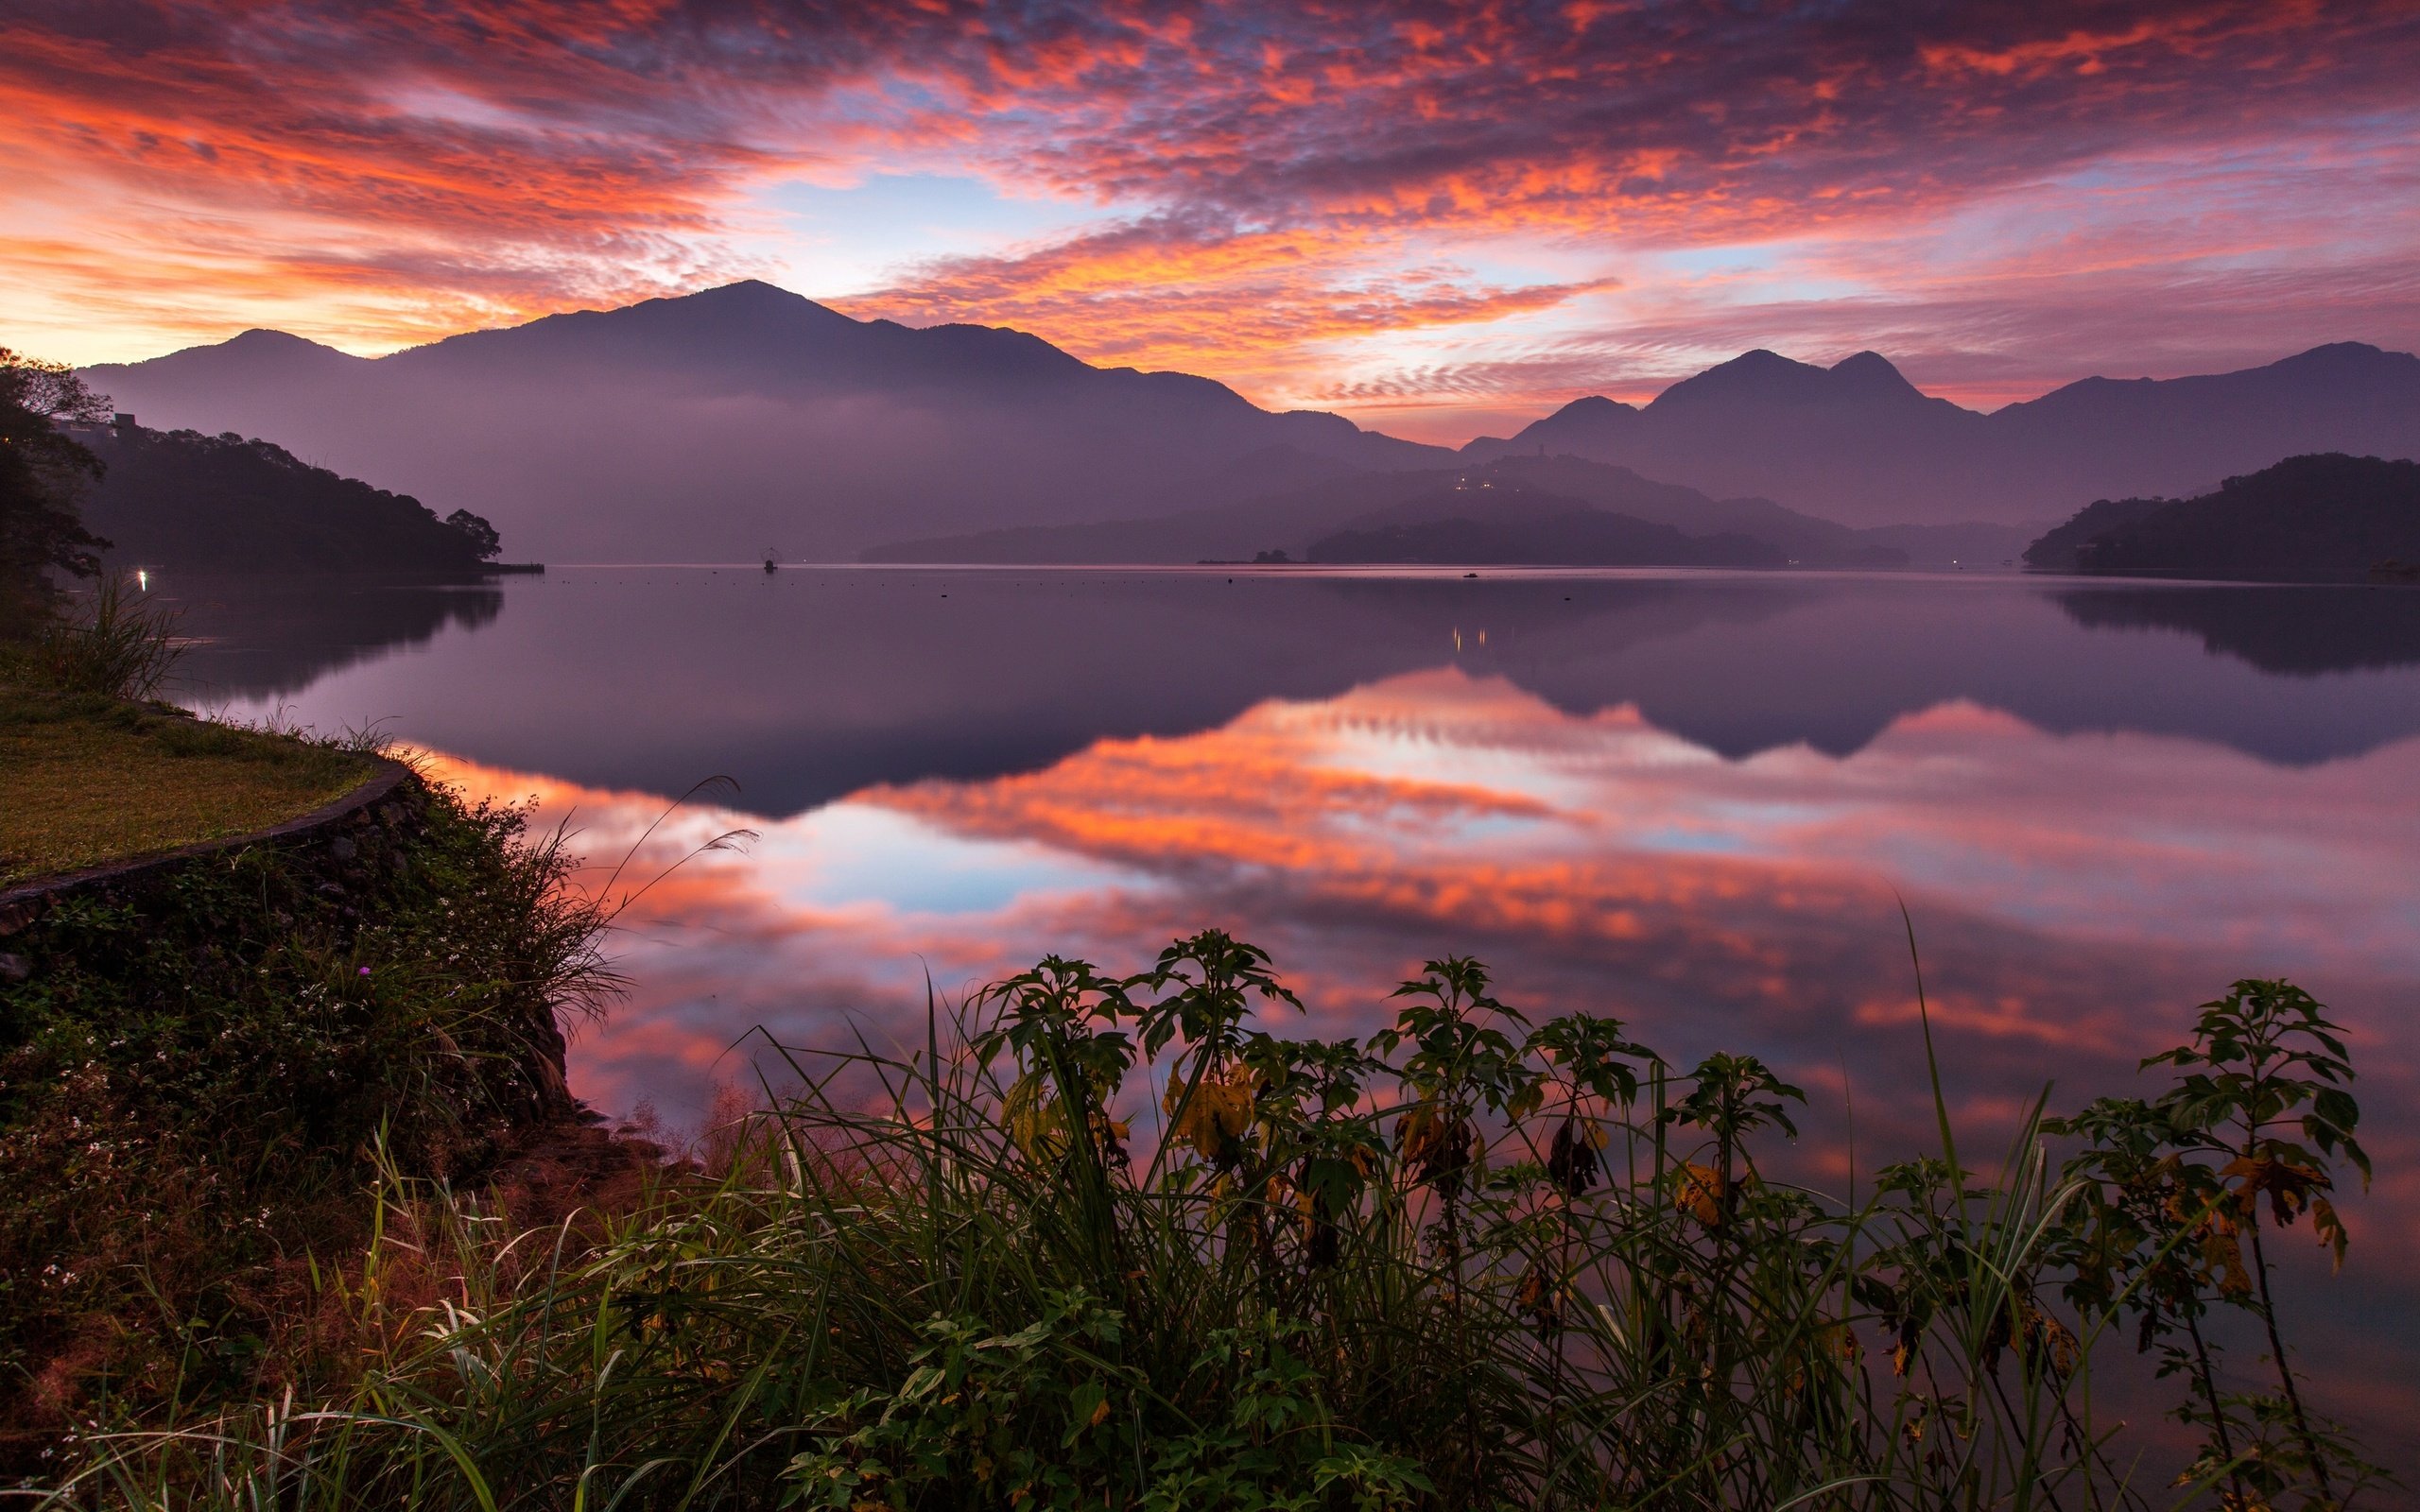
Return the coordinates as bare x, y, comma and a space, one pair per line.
206, 1066
93, 772
201, 1071
88, 779
1473, 1262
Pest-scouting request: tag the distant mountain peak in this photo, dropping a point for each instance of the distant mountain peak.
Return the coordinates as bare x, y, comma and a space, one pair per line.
749, 296
2347, 357
1764, 377
751, 293
263, 338
1594, 406
1759, 375
1872, 372
258, 355
753, 286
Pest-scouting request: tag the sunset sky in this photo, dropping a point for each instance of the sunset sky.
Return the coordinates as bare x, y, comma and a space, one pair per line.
1439, 219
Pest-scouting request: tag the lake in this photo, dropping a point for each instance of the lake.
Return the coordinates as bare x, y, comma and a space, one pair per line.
1694, 800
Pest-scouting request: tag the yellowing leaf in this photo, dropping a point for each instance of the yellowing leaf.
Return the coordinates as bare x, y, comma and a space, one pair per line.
2222, 1251
1036, 1124
2289, 1185
2330, 1229
1698, 1190
1217, 1112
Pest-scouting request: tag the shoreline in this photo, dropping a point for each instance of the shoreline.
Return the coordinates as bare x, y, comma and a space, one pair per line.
214, 1060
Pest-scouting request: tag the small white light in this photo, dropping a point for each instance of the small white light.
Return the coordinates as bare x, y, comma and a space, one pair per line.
142, 580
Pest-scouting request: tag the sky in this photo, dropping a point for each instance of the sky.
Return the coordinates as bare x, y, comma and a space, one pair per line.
1442, 219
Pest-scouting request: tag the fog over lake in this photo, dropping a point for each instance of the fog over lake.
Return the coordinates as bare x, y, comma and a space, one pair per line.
1695, 800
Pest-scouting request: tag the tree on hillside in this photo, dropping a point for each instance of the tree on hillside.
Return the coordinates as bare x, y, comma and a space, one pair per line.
44, 475
481, 535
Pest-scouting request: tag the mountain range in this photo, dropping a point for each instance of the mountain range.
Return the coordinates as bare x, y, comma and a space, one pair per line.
716, 425
1860, 443
1508, 498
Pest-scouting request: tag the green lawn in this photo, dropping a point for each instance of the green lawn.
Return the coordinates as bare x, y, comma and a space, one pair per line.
85, 780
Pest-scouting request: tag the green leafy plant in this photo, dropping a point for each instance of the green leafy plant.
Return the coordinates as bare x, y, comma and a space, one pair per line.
1470, 1262
2172, 1192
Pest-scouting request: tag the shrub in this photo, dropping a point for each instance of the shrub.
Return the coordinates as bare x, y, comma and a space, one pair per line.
200, 1064
1472, 1261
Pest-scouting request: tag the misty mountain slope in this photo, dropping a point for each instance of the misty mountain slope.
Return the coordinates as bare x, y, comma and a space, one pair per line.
2103, 438
1799, 537
1279, 517
1535, 529
1516, 487
1854, 442
1857, 442
709, 427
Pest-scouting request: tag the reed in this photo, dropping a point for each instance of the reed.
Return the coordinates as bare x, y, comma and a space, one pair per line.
119, 646
1471, 1261
194, 1063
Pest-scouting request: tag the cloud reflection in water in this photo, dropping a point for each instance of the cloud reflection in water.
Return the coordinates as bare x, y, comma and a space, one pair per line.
2074, 896
2074, 893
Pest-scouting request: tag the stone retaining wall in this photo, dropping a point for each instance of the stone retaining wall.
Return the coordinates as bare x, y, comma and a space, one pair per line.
344, 856
23, 902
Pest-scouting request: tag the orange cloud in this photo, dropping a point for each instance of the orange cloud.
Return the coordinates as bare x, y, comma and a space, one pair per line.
1284, 198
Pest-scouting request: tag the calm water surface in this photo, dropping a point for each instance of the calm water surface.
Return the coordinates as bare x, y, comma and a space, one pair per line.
1695, 800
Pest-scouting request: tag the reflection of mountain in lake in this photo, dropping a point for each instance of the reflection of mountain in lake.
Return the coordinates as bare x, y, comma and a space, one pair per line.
2300, 631
262, 637
1739, 666
810, 684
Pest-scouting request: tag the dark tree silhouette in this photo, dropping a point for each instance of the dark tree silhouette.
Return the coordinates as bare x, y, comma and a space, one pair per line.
2322, 518
43, 475
478, 532
227, 502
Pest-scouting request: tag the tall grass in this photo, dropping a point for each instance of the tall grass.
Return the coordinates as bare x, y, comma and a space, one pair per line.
190, 1076
1472, 1261
119, 646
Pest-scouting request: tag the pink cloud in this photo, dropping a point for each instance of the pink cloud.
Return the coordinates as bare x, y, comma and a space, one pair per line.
1285, 197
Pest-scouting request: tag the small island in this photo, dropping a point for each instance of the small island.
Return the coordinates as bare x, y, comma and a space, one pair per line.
2324, 518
